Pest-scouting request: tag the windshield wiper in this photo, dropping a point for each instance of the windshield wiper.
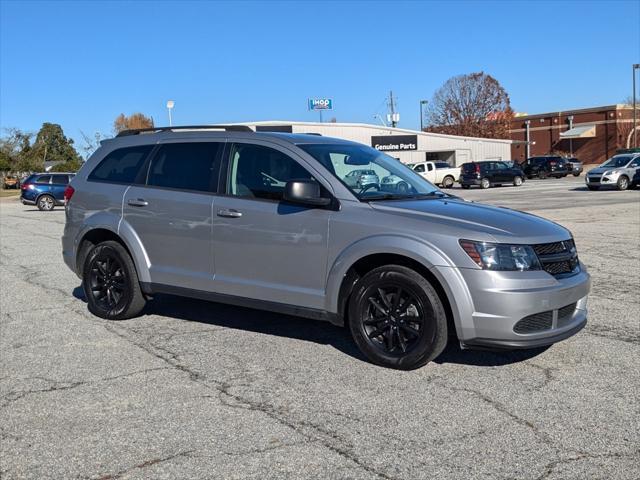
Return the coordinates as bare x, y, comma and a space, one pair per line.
395, 196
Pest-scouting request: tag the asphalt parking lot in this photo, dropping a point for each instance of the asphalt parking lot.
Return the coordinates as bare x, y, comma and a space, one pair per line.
200, 390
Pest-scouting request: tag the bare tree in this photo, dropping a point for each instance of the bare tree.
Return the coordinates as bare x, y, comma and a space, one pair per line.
474, 105
133, 121
91, 144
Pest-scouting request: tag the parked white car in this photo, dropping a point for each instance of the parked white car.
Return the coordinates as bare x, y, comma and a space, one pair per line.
438, 173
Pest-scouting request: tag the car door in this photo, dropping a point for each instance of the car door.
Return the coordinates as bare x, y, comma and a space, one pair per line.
171, 212
267, 249
58, 184
502, 173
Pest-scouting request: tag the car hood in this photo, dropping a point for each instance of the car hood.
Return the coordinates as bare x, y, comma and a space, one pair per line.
477, 221
601, 170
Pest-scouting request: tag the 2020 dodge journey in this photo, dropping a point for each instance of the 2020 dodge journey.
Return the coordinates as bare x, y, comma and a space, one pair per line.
267, 220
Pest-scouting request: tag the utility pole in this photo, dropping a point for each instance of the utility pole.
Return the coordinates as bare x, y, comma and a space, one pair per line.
636, 66
392, 117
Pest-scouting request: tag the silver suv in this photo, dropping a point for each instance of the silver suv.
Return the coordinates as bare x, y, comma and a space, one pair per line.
267, 220
618, 172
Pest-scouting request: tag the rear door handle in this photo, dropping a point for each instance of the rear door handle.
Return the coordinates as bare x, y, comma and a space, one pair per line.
229, 213
138, 202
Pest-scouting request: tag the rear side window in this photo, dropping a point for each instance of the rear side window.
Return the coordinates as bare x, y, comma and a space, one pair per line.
44, 179
468, 168
186, 166
60, 179
121, 165
419, 168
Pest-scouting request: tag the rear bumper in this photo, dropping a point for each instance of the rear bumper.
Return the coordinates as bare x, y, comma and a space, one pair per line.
26, 201
470, 181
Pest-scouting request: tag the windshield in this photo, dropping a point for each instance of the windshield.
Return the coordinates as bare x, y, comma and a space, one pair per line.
370, 174
617, 161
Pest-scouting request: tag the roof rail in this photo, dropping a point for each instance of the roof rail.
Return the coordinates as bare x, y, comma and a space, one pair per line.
228, 128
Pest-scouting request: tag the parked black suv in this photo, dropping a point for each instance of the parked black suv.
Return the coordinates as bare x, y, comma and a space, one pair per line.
487, 174
546, 166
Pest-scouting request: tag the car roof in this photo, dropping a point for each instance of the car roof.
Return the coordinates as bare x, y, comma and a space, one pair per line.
144, 137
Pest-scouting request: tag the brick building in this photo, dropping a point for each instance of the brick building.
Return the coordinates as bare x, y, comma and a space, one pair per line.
591, 134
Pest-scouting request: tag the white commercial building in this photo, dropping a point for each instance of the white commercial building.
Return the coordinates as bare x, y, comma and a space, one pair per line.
409, 146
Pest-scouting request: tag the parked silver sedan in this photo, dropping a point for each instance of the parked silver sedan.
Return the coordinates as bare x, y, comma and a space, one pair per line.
616, 172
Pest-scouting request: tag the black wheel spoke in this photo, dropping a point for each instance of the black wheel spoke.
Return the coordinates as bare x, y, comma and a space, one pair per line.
377, 306
411, 319
410, 330
377, 332
401, 342
383, 297
396, 299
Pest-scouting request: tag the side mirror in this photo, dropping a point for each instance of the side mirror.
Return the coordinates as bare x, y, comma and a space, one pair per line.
304, 192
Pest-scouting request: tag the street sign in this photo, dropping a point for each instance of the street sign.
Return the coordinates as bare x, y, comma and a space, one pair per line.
320, 104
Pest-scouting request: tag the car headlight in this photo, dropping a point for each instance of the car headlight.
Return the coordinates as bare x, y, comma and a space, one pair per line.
500, 256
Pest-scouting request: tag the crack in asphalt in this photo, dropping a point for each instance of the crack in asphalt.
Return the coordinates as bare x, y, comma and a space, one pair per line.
59, 385
551, 466
142, 465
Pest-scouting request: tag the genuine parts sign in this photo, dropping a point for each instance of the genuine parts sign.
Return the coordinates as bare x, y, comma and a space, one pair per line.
394, 143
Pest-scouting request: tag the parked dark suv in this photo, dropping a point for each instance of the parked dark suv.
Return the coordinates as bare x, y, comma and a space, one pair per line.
45, 190
489, 173
546, 166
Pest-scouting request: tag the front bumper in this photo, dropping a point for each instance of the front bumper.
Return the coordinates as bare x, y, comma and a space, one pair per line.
487, 313
599, 180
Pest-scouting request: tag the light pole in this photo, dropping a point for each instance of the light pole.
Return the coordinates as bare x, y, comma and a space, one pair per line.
422, 102
170, 105
636, 66
570, 119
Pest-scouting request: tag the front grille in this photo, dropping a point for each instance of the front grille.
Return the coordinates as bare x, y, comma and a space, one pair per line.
558, 268
534, 323
594, 179
549, 248
567, 311
557, 258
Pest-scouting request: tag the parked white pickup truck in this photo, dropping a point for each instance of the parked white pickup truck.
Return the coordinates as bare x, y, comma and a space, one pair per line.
438, 173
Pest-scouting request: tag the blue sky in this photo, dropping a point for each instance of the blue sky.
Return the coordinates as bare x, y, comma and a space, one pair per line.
80, 64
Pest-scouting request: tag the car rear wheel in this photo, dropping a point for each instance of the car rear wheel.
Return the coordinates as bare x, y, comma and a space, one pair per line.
397, 318
517, 181
403, 187
46, 203
623, 183
485, 183
593, 187
110, 282
448, 181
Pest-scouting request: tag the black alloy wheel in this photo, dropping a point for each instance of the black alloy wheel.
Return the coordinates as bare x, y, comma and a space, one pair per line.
397, 318
110, 282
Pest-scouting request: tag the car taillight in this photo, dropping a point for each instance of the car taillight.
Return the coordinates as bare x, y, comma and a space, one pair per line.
26, 186
477, 168
68, 193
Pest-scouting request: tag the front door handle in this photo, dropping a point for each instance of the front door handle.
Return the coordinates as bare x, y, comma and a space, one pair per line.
138, 202
229, 213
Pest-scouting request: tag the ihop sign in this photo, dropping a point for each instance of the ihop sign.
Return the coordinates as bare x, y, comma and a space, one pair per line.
320, 104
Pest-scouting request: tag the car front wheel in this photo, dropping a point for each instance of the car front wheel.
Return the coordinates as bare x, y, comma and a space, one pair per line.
485, 183
517, 181
623, 183
397, 318
110, 282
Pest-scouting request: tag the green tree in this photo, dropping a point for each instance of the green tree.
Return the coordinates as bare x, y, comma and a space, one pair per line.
15, 149
51, 145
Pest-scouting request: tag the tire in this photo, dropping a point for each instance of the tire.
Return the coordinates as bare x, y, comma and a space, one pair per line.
466, 187
485, 183
622, 183
448, 181
46, 203
593, 187
401, 344
517, 181
576, 174
110, 263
